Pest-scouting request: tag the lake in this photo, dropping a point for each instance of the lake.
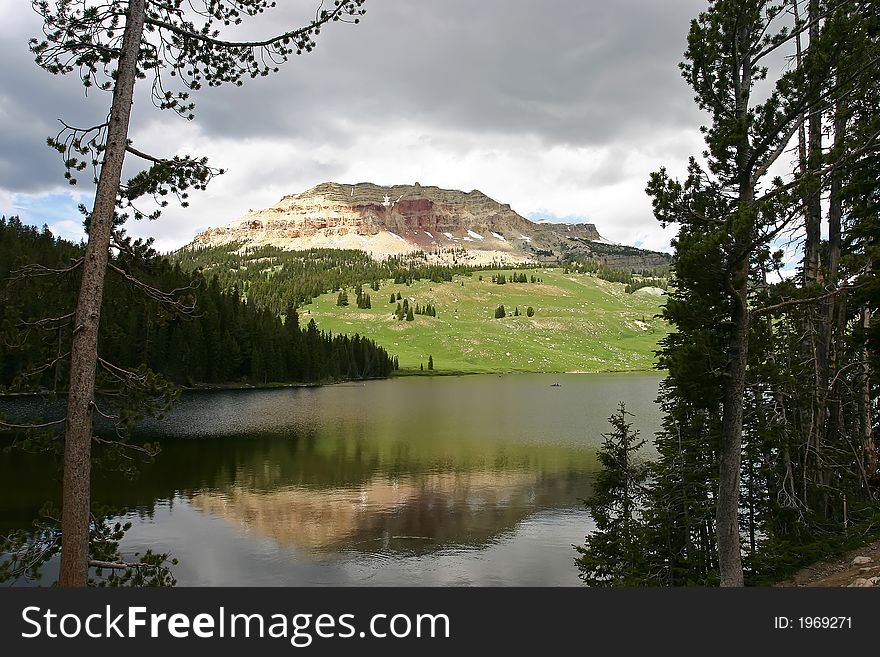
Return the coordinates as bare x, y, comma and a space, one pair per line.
472, 480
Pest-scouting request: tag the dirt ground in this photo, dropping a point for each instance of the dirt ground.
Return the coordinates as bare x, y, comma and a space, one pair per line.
851, 569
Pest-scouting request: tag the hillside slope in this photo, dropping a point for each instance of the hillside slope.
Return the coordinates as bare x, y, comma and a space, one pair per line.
581, 324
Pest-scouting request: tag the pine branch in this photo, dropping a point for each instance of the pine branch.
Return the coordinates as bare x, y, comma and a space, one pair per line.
300, 34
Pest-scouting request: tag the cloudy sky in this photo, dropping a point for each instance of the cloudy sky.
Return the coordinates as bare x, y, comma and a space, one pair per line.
560, 108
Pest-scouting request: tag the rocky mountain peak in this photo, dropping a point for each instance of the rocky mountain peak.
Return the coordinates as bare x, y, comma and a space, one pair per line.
386, 220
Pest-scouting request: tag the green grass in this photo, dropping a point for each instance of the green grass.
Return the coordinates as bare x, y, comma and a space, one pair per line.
581, 324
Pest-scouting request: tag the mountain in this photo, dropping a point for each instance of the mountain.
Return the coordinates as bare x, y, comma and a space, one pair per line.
445, 224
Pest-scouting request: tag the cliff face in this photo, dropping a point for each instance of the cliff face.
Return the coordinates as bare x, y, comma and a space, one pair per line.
399, 219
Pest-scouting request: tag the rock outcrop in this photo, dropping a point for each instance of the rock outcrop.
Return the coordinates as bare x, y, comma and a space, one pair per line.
399, 219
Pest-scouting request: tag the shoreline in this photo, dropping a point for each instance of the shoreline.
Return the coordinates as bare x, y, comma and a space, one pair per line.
217, 387
409, 372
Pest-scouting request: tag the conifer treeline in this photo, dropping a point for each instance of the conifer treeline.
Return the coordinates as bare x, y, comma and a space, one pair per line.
224, 339
634, 280
273, 278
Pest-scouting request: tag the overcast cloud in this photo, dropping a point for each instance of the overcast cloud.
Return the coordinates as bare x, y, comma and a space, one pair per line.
559, 108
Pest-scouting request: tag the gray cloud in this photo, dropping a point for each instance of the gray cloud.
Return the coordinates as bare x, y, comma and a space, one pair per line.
566, 71
473, 81
31, 102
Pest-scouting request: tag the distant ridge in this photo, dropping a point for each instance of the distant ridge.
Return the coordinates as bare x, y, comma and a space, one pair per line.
398, 219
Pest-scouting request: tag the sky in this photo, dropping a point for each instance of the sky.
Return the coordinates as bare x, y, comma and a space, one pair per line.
560, 108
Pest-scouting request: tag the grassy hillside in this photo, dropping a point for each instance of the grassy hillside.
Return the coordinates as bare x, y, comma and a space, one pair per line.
581, 324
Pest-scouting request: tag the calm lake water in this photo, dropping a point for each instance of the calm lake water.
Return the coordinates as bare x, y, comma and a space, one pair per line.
470, 480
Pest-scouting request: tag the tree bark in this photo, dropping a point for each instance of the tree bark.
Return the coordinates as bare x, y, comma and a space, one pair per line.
802, 132
835, 208
733, 388
824, 425
727, 509
84, 355
814, 163
868, 443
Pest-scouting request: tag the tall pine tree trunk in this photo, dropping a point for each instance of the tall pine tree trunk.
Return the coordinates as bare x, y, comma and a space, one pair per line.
832, 320
734, 381
835, 208
815, 343
814, 162
76, 494
868, 444
727, 509
802, 133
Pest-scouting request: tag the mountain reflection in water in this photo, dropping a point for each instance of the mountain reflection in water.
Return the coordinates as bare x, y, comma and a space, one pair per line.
474, 480
413, 514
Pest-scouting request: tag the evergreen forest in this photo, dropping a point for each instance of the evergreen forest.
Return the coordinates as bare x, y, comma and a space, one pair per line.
273, 278
182, 326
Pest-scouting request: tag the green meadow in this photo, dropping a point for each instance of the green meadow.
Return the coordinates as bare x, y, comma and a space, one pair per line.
581, 324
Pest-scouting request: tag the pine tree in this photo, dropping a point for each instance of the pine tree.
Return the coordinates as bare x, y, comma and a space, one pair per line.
430, 362
110, 54
728, 369
613, 554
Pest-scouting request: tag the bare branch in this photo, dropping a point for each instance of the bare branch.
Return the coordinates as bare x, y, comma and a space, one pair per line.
58, 322
767, 163
166, 298
35, 271
145, 156
120, 565
799, 302
119, 372
871, 144
127, 446
104, 415
45, 366
44, 425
